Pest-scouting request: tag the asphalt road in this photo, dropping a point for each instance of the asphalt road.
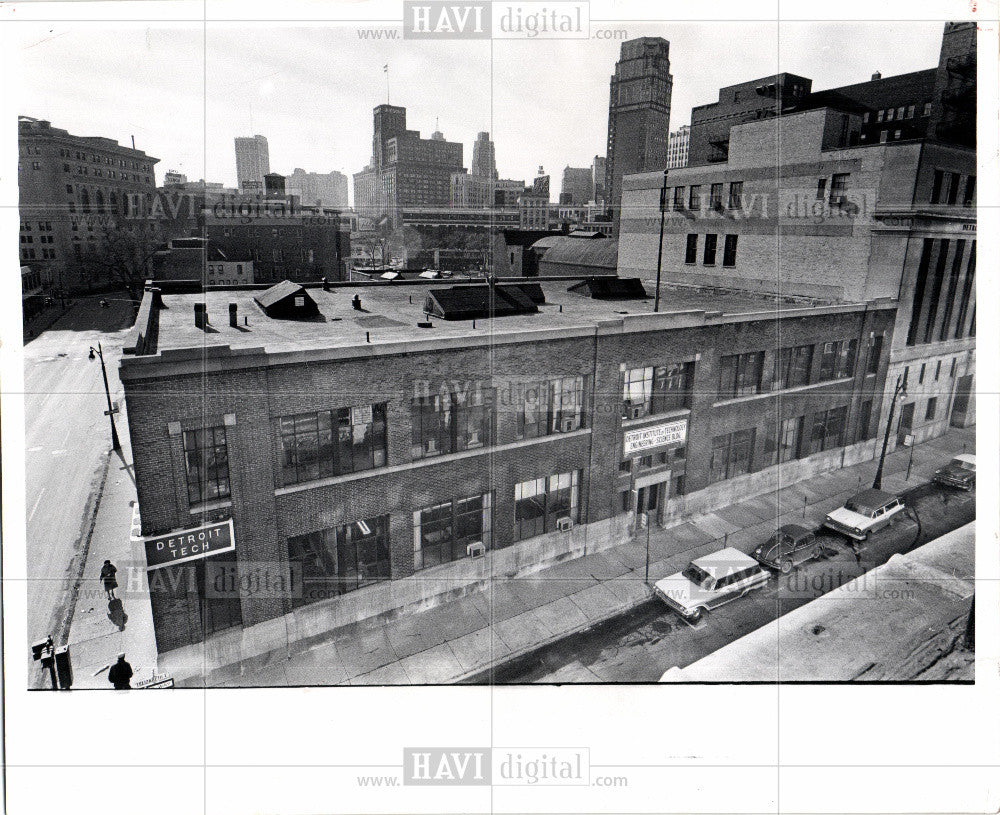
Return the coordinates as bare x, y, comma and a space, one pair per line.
641, 645
67, 439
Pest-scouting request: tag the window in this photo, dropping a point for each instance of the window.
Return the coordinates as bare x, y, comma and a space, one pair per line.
927, 109
821, 189
936, 187
659, 389
838, 360
791, 367
678, 198
864, 420
715, 196
897, 134
449, 423
880, 116
310, 451
923, 370
711, 242
539, 503
970, 191
736, 195
339, 560
864, 118
883, 136
874, 354
828, 429
890, 114
729, 251
206, 461
954, 183
900, 112
954, 365
694, 197
967, 289
443, 533
931, 409
739, 375
732, 455
691, 250
909, 111
69, 188
838, 189
554, 406
937, 371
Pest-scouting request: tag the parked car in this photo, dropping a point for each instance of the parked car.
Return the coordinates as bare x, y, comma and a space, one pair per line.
960, 472
710, 581
792, 545
865, 513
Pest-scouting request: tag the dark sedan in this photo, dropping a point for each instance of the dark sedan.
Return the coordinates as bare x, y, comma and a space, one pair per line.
792, 545
960, 472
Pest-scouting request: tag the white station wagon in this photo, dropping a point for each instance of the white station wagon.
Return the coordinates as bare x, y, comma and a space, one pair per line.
865, 513
710, 581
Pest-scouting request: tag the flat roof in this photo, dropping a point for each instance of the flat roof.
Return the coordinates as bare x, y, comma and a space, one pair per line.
390, 313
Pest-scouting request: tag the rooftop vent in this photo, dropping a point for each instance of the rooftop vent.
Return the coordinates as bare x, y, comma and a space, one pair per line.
287, 301
611, 288
473, 302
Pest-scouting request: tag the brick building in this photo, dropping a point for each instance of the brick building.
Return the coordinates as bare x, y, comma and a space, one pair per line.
894, 218
71, 187
405, 170
483, 446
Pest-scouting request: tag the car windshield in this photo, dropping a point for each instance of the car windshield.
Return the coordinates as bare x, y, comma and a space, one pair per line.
963, 465
696, 574
861, 509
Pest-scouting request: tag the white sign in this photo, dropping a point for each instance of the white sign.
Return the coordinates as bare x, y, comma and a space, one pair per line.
655, 436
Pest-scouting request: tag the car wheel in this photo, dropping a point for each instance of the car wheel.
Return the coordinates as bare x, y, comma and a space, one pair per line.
786, 566
817, 552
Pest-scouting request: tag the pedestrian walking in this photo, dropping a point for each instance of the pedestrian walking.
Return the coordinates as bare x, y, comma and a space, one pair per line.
120, 674
108, 572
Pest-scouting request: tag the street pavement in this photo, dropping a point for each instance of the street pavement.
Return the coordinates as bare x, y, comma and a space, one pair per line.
67, 443
546, 627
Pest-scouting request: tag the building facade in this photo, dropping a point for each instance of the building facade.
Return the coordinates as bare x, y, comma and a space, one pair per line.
253, 162
319, 189
479, 449
577, 186
855, 222
405, 170
72, 190
484, 157
598, 170
677, 147
638, 114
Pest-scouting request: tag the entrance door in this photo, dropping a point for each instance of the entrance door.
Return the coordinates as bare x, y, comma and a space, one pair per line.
905, 423
648, 502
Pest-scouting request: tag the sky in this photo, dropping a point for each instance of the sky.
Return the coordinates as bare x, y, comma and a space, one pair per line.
184, 93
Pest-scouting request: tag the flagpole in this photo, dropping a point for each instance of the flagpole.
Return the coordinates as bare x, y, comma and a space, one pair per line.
386, 69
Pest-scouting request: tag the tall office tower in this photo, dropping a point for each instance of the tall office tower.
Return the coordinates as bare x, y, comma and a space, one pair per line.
638, 114
252, 163
484, 159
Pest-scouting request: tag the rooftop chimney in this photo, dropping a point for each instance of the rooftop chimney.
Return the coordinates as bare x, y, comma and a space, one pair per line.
233, 321
356, 302
876, 75
200, 315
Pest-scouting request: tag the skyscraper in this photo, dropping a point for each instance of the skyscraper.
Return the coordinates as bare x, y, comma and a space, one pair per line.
484, 161
252, 163
576, 185
638, 114
677, 147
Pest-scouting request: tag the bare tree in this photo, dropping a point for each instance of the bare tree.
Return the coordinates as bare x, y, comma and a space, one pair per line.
122, 252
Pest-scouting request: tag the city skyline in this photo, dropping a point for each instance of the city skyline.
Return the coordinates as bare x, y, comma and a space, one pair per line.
556, 86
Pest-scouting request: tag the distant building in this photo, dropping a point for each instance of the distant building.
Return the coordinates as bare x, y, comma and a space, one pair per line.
172, 178
319, 189
274, 186
677, 147
506, 191
405, 170
577, 255
598, 169
68, 187
638, 114
199, 259
253, 162
484, 160
470, 191
577, 184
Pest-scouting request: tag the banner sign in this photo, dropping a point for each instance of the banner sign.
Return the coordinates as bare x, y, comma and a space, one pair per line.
648, 437
189, 544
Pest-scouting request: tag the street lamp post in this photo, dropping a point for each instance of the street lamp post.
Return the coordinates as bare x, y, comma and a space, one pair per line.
900, 390
116, 445
659, 252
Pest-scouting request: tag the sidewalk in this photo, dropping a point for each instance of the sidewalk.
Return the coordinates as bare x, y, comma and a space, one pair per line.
465, 637
99, 629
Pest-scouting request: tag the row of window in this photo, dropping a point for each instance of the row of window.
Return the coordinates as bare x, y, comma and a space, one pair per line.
711, 249
947, 186
897, 113
82, 156
733, 454
929, 286
338, 560
675, 197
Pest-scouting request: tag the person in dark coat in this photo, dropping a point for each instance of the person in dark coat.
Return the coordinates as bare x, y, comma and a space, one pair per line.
120, 674
108, 572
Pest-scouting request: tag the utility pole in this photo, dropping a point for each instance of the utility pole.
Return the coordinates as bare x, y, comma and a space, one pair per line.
659, 251
900, 390
111, 411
